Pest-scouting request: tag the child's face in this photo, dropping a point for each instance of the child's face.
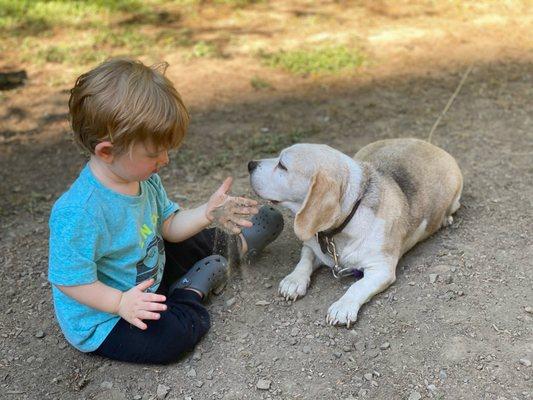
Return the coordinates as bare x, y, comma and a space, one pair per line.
140, 163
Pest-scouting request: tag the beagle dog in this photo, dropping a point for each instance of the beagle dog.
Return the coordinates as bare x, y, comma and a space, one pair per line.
359, 214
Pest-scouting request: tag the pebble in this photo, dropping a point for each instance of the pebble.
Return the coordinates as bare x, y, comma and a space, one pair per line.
337, 354
346, 349
162, 391
263, 384
199, 384
443, 375
268, 285
137, 397
230, 302
262, 303
448, 279
40, 334
385, 346
433, 278
295, 331
525, 362
106, 385
197, 356
528, 310
414, 396
368, 376
432, 388
191, 373
306, 350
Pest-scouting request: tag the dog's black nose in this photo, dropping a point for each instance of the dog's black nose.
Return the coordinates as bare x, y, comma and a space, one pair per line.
252, 165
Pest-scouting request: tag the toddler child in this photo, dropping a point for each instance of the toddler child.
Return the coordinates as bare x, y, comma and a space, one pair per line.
129, 269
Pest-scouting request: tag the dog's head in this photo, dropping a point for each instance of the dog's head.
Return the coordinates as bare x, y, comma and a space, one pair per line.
309, 179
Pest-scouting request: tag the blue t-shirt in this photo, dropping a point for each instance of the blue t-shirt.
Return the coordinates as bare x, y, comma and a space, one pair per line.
99, 234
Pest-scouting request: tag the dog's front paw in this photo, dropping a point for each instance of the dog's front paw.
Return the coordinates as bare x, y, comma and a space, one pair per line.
294, 285
343, 312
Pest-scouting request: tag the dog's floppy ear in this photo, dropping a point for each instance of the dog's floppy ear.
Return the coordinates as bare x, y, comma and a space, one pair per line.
321, 207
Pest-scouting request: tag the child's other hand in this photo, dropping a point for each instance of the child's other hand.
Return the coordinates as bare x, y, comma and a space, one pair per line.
230, 212
136, 305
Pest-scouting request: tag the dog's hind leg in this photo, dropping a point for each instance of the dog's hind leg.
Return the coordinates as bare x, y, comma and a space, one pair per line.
448, 219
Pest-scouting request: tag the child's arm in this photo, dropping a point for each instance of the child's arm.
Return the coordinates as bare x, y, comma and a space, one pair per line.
133, 305
229, 212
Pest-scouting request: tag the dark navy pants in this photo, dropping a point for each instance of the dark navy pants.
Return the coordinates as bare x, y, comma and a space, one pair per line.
184, 322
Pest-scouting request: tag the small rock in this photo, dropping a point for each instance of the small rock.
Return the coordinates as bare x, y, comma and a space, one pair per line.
262, 303
306, 350
448, 279
346, 349
199, 384
295, 331
197, 356
263, 384
230, 302
443, 375
385, 346
40, 334
432, 388
433, 278
137, 397
162, 391
337, 354
368, 376
525, 362
106, 385
528, 310
414, 396
191, 373
268, 285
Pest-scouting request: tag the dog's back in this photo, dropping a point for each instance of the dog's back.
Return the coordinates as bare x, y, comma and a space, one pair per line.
428, 178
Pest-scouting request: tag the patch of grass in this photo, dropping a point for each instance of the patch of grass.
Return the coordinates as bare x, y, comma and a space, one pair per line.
204, 49
174, 38
330, 60
238, 3
34, 17
269, 143
135, 41
260, 84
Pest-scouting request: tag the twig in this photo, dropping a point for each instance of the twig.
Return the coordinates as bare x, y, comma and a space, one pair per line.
454, 95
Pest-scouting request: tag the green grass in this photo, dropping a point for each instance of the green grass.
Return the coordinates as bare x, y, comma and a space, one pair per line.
35, 16
260, 84
326, 59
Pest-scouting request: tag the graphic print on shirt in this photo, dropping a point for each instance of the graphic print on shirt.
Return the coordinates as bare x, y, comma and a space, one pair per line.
151, 265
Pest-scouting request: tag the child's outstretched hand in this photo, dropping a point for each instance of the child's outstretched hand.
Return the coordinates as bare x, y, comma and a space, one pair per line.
136, 305
230, 212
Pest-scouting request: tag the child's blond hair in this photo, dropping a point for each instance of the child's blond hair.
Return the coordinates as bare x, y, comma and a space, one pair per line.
124, 101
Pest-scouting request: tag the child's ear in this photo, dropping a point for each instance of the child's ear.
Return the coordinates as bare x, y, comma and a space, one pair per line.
104, 151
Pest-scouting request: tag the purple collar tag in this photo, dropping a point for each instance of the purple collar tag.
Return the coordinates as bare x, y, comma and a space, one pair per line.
357, 274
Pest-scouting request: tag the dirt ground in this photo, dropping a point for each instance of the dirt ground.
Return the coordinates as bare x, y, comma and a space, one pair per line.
457, 323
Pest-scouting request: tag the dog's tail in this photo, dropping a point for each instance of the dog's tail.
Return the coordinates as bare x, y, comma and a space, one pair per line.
448, 105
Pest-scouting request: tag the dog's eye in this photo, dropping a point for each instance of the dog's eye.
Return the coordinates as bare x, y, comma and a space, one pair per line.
281, 166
